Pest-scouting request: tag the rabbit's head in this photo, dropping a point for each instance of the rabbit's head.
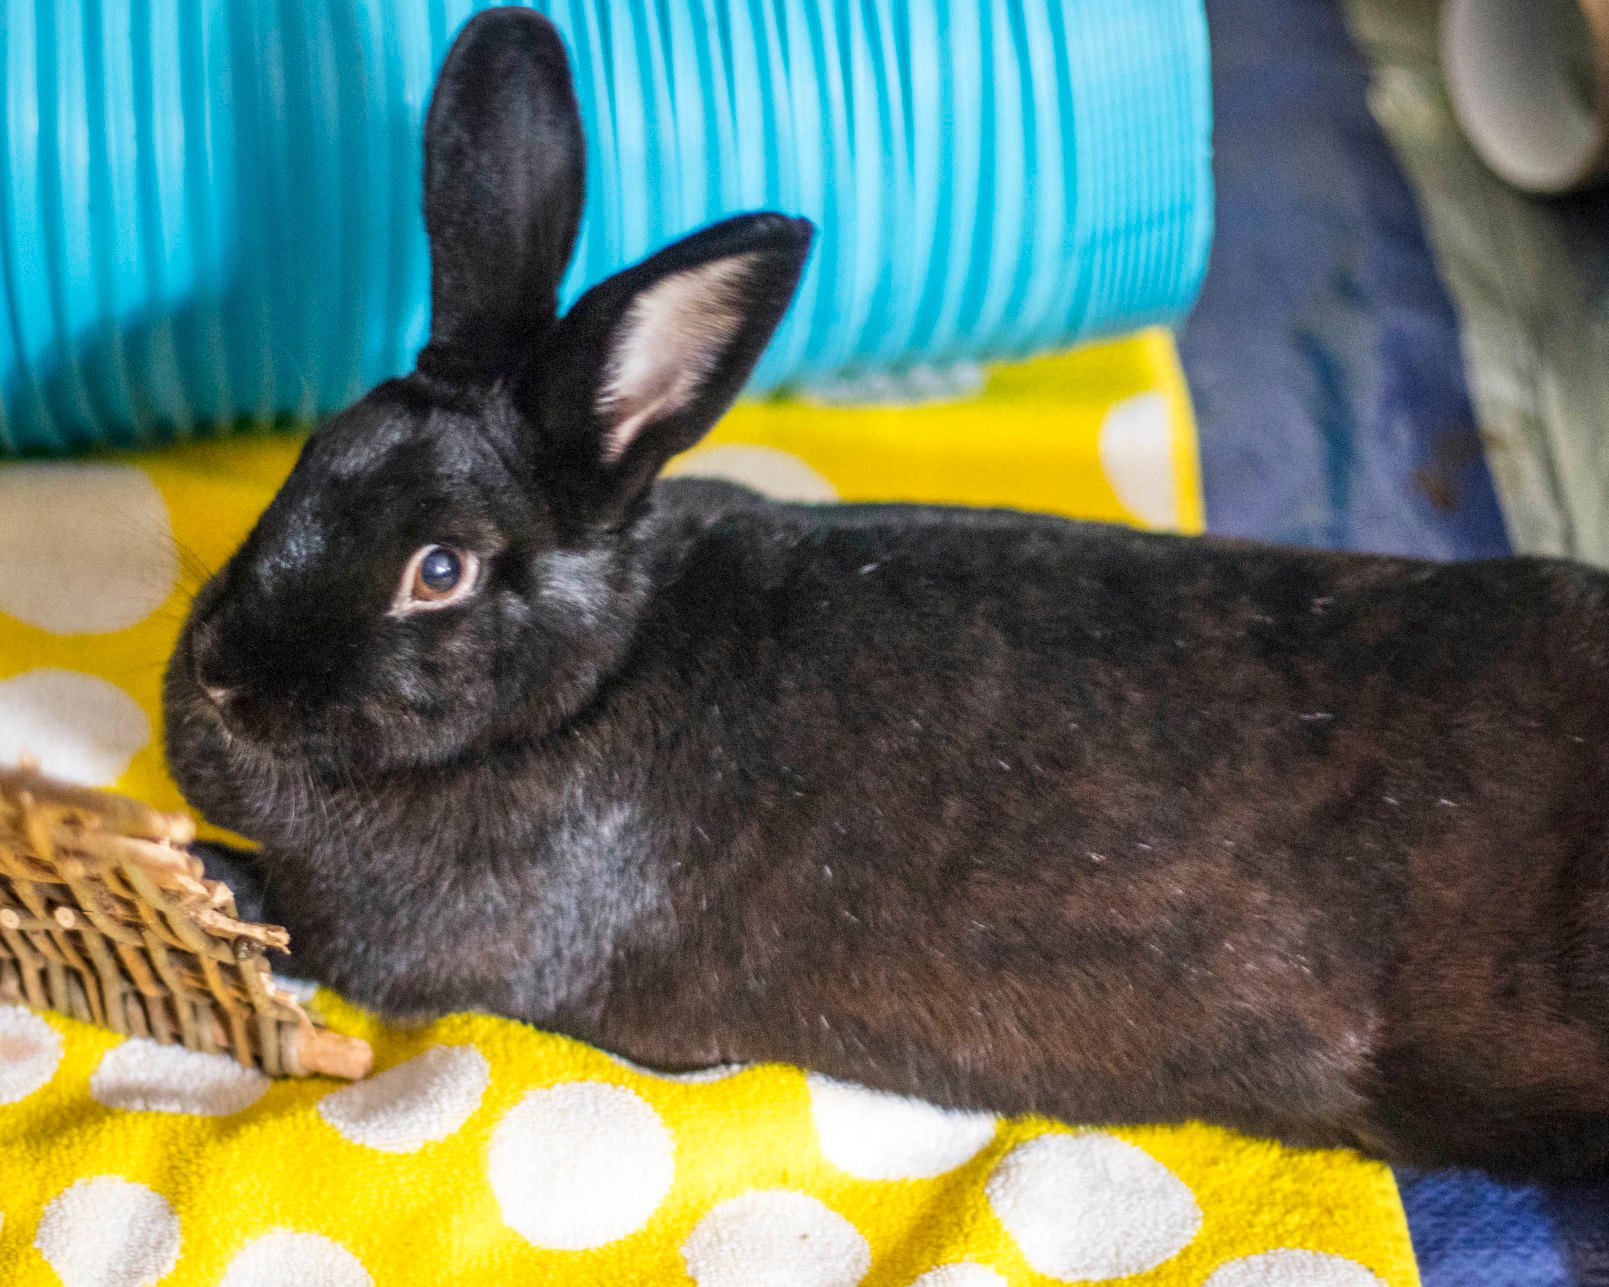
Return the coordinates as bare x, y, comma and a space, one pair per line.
454, 559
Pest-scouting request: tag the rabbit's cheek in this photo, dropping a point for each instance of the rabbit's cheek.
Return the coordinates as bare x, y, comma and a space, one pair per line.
574, 583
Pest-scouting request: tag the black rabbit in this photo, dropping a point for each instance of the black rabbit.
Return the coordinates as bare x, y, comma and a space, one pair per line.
998, 810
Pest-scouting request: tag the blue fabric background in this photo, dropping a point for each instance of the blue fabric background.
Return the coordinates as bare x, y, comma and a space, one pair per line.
1324, 353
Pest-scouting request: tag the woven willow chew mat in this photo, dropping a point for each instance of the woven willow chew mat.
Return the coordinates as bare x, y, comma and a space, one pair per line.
105, 915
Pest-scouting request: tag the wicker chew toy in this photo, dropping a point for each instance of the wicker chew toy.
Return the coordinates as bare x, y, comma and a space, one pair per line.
106, 916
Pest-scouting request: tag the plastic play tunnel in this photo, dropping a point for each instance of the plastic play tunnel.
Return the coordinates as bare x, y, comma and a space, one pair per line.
210, 210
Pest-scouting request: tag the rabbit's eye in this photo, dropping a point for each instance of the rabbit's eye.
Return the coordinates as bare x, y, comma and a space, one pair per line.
436, 576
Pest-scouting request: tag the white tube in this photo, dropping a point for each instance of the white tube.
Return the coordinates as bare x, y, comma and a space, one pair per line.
1530, 85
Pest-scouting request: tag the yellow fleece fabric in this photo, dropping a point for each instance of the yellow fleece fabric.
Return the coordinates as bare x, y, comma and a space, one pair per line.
486, 1152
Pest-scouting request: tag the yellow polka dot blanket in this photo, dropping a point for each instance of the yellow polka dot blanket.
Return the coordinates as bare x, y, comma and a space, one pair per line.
484, 1152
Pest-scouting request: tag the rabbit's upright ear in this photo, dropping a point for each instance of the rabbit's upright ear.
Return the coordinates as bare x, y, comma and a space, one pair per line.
504, 184
647, 361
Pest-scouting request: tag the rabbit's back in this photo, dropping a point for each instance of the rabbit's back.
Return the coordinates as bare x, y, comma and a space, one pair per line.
1127, 806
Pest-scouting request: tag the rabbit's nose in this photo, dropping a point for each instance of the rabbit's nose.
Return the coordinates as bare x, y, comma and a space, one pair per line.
220, 695
205, 669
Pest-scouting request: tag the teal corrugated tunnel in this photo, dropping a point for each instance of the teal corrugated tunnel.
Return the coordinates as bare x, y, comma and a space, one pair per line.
209, 210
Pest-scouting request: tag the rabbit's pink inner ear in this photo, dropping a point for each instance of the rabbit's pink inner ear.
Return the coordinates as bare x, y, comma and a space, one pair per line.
667, 345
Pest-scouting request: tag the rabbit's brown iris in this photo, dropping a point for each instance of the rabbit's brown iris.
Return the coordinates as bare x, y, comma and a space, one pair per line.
435, 576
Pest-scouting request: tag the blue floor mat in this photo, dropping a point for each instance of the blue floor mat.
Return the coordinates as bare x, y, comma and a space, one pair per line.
1324, 354
1471, 1232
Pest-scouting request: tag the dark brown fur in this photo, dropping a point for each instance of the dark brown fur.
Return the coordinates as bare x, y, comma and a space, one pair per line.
998, 810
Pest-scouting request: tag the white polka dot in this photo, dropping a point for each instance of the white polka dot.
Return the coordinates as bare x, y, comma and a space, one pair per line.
778, 474
878, 1136
689, 1077
89, 547
78, 727
30, 1049
145, 1076
1292, 1268
404, 1108
579, 1165
108, 1232
285, 1258
775, 1236
960, 1275
1091, 1206
1136, 449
